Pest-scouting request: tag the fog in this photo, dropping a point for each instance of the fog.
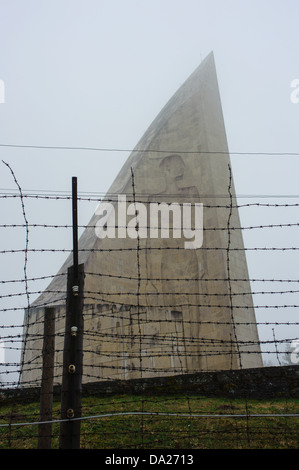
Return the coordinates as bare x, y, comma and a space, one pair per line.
80, 84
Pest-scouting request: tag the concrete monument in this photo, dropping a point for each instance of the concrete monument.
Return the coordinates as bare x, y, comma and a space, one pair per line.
163, 295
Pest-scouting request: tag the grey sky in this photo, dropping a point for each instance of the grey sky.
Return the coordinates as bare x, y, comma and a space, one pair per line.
96, 73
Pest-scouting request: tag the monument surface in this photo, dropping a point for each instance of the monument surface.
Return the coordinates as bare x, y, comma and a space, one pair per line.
162, 295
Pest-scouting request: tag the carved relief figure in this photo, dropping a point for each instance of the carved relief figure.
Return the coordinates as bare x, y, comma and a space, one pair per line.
180, 269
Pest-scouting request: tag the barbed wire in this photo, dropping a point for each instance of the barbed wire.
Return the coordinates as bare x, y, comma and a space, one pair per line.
120, 276
205, 229
124, 346
26, 243
113, 198
143, 248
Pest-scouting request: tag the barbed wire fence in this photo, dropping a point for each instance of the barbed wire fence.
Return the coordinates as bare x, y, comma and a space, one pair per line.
115, 331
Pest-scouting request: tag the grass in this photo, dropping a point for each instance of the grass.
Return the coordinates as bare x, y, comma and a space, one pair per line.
153, 431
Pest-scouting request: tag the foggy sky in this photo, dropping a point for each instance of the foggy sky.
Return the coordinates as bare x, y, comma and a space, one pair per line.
96, 73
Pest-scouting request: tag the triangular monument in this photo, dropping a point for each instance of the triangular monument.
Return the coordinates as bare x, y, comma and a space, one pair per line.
152, 306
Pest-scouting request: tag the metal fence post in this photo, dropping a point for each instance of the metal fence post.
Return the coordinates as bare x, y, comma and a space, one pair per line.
73, 345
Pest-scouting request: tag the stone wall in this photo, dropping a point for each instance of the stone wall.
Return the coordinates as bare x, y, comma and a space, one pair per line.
257, 383
266, 382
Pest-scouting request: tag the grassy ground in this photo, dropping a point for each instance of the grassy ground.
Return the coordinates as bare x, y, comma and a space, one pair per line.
154, 431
